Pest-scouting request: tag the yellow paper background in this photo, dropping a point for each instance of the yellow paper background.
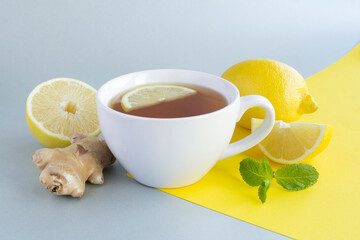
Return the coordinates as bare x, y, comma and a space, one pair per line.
328, 210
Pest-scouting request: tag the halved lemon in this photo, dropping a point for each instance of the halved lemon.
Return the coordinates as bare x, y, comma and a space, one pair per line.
293, 142
57, 108
149, 95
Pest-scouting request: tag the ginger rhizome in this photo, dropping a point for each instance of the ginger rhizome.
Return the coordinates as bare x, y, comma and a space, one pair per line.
65, 170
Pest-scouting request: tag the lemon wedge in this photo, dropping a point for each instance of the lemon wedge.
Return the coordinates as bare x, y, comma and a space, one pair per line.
57, 108
293, 142
149, 95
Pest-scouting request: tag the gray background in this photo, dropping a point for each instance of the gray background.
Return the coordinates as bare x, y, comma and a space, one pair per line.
95, 41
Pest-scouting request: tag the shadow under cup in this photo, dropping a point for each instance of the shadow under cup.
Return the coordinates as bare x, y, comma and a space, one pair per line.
168, 152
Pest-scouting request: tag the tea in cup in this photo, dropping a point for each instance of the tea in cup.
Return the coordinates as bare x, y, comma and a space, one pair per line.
174, 144
190, 100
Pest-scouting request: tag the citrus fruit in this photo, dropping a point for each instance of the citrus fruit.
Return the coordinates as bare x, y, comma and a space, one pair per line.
153, 94
294, 142
57, 108
281, 84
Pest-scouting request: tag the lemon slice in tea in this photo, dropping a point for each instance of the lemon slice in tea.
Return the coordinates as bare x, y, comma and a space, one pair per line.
57, 108
293, 142
149, 95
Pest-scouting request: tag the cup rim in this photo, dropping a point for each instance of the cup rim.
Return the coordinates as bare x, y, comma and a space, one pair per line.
112, 111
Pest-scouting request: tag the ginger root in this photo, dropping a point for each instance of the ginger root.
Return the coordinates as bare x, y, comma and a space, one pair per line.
65, 170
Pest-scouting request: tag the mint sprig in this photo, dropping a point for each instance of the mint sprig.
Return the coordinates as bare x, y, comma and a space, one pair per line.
293, 177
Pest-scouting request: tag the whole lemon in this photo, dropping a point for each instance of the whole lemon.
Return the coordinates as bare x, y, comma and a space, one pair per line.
281, 84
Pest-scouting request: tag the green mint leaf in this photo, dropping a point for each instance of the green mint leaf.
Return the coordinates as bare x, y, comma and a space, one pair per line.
255, 173
296, 176
263, 189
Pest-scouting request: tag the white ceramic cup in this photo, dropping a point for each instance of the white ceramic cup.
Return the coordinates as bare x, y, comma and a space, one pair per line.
176, 152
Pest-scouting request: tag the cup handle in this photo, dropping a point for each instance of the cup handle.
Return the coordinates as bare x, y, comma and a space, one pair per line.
254, 138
